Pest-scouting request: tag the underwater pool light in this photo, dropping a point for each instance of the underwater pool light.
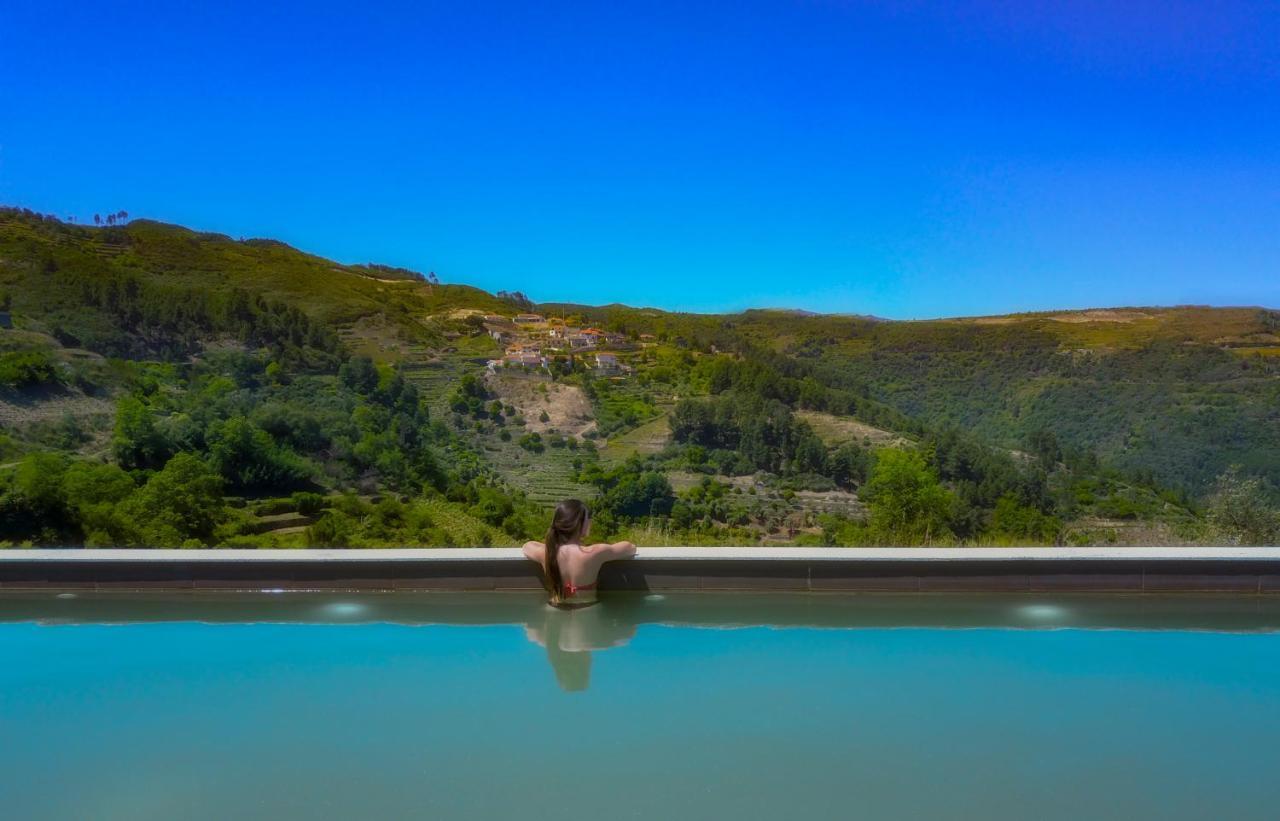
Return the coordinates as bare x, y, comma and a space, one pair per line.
345, 610
1042, 612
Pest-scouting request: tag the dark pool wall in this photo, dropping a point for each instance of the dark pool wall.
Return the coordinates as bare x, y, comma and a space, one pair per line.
212, 570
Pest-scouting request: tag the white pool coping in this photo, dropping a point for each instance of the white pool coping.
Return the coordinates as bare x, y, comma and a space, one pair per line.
939, 555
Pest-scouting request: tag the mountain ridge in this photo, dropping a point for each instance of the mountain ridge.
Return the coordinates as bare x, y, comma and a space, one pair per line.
145, 223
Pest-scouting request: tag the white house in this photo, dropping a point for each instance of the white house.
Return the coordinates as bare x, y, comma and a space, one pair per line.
607, 363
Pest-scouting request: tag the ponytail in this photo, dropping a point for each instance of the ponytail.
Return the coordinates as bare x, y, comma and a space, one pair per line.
568, 523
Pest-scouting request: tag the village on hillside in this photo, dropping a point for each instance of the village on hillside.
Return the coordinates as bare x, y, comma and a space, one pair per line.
533, 341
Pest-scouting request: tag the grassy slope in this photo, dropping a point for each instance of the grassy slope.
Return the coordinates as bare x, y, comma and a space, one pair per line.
337, 294
836, 430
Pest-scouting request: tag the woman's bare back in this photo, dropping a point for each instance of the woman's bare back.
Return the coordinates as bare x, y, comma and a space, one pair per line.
579, 565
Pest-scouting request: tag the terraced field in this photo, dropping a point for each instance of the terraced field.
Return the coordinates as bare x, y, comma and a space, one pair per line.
17, 410
546, 477
464, 530
796, 510
434, 371
830, 501
436, 381
650, 437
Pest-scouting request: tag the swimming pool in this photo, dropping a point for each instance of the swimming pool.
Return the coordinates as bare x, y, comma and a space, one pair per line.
698, 705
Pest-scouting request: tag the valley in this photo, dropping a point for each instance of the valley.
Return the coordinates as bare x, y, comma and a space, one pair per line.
165, 387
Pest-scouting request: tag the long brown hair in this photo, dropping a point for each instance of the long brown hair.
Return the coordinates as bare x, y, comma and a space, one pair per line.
567, 524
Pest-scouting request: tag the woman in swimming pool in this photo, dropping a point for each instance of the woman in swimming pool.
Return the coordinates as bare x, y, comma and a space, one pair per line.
569, 569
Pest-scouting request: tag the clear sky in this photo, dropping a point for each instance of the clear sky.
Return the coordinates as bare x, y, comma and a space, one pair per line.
905, 159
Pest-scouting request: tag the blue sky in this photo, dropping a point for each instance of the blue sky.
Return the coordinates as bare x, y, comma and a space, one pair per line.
904, 159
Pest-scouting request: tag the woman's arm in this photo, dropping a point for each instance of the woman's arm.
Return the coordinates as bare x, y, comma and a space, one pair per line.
534, 551
617, 550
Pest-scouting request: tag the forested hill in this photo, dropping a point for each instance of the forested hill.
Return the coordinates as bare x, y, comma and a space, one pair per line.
1177, 394
164, 386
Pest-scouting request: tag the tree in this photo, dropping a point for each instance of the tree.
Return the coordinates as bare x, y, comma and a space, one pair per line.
1045, 447
90, 483
247, 457
492, 506
32, 503
136, 441
180, 503
96, 493
38, 481
810, 455
359, 374
637, 495
908, 505
516, 299
849, 465
1241, 509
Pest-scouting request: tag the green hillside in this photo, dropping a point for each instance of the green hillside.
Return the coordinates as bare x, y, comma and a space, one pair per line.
161, 386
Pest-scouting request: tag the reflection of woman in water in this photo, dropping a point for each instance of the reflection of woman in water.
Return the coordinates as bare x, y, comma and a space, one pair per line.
570, 634
569, 569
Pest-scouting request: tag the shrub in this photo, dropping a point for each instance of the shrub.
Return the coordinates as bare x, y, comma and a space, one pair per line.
307, 503
1023, 521
21, 369
334, 529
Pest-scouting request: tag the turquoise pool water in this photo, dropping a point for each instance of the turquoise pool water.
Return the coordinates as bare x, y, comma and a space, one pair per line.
219, 706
